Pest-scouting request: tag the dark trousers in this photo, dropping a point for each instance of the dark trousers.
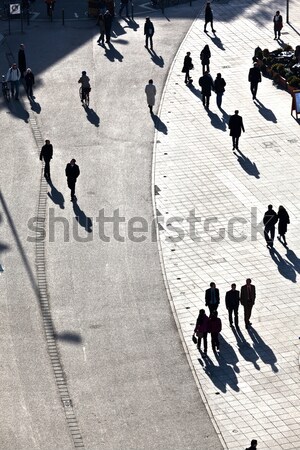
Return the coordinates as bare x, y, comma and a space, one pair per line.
124, 5
151, 41
205, 68
71, 185
205, 100
215, 341
253, 88
236, 316
235, 142
107, 34
29, 90
101, 37
211, 23
187, 75
277, 33
247, 313
269, 233
219, 99
204, 337
47, 168
213, 307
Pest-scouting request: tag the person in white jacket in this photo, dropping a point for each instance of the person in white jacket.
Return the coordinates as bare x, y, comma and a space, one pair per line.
150, 91
13, 76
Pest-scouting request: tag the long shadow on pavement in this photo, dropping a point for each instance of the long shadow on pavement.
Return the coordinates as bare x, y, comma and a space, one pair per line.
112, 53
92, 116
159, 125
84, 221
131, 24
222, 375
293, 258
248, 166
265, 112
217, 41
245, 349
158, 60
36, 107
265, 353
55, 195
69, 336
195, 91
16, 109
216, 121
285, 268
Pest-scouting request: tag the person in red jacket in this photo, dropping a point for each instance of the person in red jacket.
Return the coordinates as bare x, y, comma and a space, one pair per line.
214, 327
201, 330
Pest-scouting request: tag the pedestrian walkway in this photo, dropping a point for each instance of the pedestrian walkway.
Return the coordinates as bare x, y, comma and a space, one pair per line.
252, 387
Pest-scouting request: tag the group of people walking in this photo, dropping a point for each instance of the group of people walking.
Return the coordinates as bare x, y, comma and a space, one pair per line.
270, 219
19, 71
212, 324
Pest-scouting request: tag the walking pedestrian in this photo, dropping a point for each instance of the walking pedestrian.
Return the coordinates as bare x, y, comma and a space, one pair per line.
29, 82
212, 297
248, 295
278, 24
149, 32
232, 301
50, 6
205, 57
214, 328
13, 76
187, 66
101, 24
254, 78
150, 91
206, 83
253, 445
270, 219
108, 18
236, 126
219, 86
201, 330
22, 60
72, 173
124, 4
283, 221
209, 18
46, 154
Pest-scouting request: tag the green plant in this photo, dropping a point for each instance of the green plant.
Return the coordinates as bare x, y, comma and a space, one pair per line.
294, 81
279, 68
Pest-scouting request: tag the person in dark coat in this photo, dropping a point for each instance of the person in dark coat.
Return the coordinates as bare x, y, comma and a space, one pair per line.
206, 83
29, 81
124, 4
253, 445
248, 296
72, 173
270, 219
214, 328
219, 87
283, 221
101, 24
212, 297
108, 18
46, 155
201, 330
187, 66
278, 24
149, 32
22, 60
236, 126
205, 57
254, 78
232, 301
209, 18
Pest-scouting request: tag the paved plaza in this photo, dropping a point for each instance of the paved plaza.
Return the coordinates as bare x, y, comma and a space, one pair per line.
252, 386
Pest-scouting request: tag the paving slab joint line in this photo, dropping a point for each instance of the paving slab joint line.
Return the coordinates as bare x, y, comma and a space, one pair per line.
160, 252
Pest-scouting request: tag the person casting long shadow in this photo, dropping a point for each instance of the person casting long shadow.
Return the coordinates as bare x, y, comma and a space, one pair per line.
248, 166
92, 116
285, 268
55, 195
159, 125
245, 349
265, 353
84, 221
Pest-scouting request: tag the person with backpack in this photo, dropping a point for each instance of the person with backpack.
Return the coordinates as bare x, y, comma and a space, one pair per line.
13, 76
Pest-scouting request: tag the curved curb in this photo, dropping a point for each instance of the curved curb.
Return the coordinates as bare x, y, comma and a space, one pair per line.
160, 252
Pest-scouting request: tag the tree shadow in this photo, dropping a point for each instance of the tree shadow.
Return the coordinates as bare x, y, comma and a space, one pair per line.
84, 221
245, 349
216, 41
92, 116
216, 121
159, 125
222, 375
112, 53
293, 259
158, 60
248, 166
16, 109
55, 195
265, 353
36, 107
265, 112
285, 268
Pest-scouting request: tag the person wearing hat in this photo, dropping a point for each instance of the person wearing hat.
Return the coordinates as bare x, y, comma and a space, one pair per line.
72, 173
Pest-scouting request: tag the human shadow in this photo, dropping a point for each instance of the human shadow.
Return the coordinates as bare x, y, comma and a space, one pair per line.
117, 29
285, 268
84, 221
3, 247
228, 353
55, 195
222, 375
248, 166
36, 107
68, 336
159, 124
131, 23
112, 53
16, 109
216, 41
158, 60
265, 112
195, 91
265, 353
92, 116
245, 349
293, 258
216, 121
